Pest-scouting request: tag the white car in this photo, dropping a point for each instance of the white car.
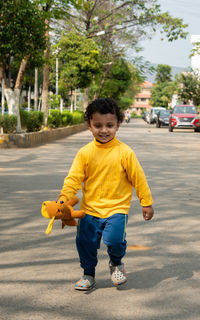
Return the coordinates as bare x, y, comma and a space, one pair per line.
152, 114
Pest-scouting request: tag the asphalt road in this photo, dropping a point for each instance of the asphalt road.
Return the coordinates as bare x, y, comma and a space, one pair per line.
38, 272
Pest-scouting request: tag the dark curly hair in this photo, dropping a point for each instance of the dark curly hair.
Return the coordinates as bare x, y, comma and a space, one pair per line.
103, 106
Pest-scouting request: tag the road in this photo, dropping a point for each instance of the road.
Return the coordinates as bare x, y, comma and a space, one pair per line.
38, 272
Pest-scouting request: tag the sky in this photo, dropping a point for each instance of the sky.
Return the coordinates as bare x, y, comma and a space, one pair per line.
174, 53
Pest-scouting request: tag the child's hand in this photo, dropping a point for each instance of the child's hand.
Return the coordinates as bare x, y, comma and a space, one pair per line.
148, 212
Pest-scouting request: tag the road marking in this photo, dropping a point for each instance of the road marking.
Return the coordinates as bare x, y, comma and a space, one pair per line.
137, 247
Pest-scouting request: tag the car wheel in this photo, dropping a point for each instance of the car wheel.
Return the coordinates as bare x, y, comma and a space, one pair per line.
157, 124
170, 129
197, 130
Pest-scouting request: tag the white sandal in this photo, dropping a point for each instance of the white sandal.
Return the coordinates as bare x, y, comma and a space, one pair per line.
85, 283
118, 274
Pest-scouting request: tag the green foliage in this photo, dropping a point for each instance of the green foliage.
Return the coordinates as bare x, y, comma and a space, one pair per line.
54, 101
189, 88
135, 115
54, 119
77, 117
163, 73
161, 94
57, 119
117, 81
22, 29
24, 117
34, 121
172, 27
8, 123
164, 88
66, 118
78, 61
125, 103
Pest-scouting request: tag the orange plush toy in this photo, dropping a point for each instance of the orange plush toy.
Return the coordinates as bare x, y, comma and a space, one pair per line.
61, 210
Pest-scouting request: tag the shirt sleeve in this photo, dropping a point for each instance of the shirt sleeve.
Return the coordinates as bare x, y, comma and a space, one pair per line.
137, 177
73, 181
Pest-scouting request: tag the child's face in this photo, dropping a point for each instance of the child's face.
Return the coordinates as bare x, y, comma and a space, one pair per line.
103, 126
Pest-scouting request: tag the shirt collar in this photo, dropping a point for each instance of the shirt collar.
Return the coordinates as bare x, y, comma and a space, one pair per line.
108, 144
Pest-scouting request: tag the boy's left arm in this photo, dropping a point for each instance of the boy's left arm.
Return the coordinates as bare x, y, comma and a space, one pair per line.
148, 213
137, 177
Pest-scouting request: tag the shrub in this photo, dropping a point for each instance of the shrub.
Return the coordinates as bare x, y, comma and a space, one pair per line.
55, 119
125, 103
24, 118
66, 118
135, 115
77, 117
34, 121
8, 123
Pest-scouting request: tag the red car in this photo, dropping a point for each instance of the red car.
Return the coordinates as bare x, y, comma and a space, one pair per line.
184, 117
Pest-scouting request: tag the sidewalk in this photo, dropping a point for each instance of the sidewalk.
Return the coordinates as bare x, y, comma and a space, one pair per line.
38, 272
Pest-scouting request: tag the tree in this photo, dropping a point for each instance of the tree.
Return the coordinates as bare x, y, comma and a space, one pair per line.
78, 61
21, 39
54, 10
163, 73
117, 81
161, 94
189, 88
117, 25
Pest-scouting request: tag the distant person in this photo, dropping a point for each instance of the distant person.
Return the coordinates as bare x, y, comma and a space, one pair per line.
127, 116
106, 170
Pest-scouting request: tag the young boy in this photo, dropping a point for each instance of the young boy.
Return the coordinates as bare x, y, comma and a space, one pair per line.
107, 170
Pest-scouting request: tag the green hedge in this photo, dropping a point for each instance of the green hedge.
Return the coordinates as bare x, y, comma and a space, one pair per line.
32, 121
8, 123
77, 117
57, 119
54, 119
66, 118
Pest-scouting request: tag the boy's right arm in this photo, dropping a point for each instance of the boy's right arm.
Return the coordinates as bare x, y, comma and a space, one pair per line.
73, 181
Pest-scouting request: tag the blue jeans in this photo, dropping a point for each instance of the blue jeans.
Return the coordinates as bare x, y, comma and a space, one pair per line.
89, 233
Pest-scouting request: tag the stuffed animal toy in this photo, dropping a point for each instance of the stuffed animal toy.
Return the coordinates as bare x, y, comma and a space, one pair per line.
61, 210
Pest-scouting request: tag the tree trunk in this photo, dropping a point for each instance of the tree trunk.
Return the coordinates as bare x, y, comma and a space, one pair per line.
1, 72
108, 67
46, 72
71, 106
29, 98
2, 96
36, 90
13, 96
11, 99
61, 104
75, 99
86, 98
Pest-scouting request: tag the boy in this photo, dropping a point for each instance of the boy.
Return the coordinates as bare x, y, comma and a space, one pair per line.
108, 170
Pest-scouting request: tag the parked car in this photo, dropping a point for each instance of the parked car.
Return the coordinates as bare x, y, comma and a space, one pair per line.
5, 111
184, 117
152, 114
144, 115
162, 118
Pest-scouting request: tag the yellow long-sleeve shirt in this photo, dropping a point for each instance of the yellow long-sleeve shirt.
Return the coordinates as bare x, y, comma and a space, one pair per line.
107, 174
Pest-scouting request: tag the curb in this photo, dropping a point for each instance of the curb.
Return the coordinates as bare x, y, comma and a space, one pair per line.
33, 139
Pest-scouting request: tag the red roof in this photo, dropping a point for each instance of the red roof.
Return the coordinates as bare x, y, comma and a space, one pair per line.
147, 84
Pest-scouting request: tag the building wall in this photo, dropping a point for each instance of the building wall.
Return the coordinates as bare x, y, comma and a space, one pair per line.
142, 98
195, 60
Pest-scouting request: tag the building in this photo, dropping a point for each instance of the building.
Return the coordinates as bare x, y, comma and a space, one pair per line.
195, 59
142, 98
